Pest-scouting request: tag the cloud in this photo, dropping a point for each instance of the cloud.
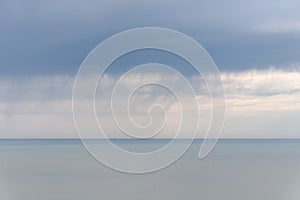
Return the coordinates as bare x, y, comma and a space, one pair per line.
260, 103
54, 37
279, 27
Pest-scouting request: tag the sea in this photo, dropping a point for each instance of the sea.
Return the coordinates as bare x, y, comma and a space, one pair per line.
236, 169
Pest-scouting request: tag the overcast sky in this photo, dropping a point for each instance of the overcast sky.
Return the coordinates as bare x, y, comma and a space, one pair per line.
255, 44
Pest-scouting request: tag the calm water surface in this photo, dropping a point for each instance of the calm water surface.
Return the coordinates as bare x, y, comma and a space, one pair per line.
235, 170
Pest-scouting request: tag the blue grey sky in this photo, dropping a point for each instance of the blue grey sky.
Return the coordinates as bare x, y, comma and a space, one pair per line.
53, 37
255, 44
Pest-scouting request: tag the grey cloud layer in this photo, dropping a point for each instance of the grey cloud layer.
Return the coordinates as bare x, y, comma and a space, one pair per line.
54, 37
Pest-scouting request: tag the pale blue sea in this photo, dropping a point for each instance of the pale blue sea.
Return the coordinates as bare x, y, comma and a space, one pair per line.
235, 170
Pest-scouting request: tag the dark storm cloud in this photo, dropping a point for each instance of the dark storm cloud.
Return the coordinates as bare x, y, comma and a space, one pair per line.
53, 37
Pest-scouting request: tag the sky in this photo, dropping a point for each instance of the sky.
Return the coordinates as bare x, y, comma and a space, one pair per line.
255, 44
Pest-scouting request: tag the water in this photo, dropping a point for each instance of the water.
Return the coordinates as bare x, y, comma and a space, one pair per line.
235, 170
